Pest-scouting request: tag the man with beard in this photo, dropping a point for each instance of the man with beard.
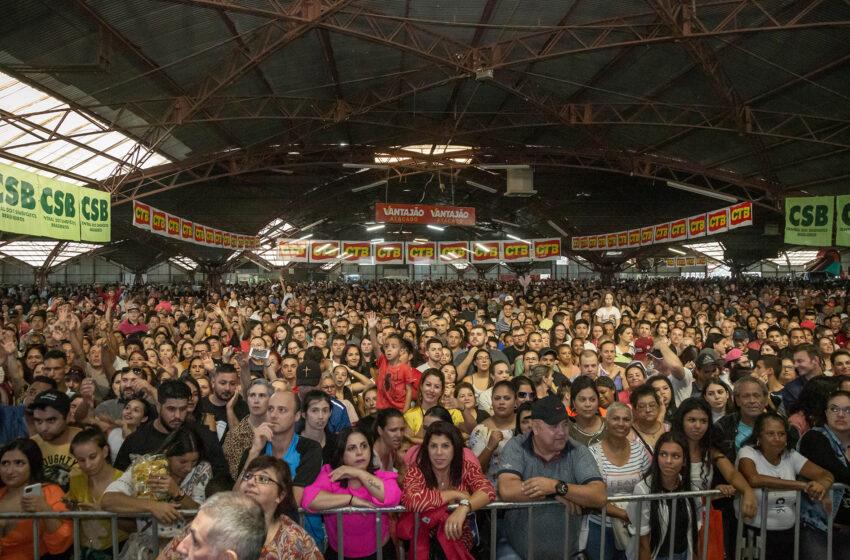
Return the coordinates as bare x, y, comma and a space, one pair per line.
133, 384
224, 388
50, 415
173, 397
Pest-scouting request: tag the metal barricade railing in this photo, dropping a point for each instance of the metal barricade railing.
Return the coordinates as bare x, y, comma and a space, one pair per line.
709, 496
761, 539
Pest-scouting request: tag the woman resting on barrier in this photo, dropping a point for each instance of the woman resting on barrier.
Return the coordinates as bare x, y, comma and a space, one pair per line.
670, 472
766, 462
87, 486
22, 489
622, 464
268, 482
829, 445
693, 422
441, 476
350, 480
183, 487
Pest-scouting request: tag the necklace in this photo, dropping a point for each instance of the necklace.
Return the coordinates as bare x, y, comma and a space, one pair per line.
652, 433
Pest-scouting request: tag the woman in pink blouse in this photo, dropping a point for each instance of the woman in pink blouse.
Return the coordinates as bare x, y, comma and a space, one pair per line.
351, 480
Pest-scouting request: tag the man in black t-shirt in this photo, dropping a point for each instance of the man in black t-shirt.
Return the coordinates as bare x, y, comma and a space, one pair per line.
518, 348
173, 399
223, 389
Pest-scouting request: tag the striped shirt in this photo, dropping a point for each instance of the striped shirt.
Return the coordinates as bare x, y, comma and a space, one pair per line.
621, 480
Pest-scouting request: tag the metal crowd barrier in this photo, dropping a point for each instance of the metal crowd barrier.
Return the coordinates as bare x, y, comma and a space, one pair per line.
708, 496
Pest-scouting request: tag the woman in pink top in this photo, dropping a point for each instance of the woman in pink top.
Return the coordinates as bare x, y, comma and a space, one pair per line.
350, 480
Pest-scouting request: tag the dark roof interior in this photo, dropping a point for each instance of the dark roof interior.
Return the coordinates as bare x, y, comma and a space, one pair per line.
258, 103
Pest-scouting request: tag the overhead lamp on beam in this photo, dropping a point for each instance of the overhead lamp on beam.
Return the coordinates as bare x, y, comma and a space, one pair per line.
303, 237
435, 228
503, 166
515, 238
557, 228
479, 186
676, 251
370, 186
378, 240
702, 191
376, 227
314, 224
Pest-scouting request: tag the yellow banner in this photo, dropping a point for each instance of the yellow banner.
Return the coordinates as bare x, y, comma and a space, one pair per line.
31, 204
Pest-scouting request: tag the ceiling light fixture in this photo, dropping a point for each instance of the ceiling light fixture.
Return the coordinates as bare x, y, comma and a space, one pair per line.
503, 166
481, 187
314, 224
308, 236
702, 191
514, 237
378, 240
370, 186
420, 240
558, 228
376, 228
435, 228
677, 251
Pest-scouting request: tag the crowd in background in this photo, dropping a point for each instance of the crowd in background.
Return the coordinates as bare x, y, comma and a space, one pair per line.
438, 396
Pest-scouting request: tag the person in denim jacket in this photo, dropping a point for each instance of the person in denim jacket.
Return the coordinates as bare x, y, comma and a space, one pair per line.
829, 447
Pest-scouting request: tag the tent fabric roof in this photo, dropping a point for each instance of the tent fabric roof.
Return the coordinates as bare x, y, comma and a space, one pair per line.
257, 104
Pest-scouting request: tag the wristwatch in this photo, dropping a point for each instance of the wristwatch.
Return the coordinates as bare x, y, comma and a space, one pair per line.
561, 488
465, 502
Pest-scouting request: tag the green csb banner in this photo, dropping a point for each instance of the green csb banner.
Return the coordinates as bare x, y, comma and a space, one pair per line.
808, 220
842, 231
31, 204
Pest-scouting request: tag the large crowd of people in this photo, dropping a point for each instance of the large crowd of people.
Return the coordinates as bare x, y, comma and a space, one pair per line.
266, 406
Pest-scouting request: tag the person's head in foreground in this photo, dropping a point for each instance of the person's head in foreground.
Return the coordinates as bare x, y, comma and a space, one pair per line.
229, 526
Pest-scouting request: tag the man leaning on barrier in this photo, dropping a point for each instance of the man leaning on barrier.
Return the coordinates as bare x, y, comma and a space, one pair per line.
229, 526
540, 465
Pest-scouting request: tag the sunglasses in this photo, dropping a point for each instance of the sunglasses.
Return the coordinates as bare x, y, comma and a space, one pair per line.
524, 395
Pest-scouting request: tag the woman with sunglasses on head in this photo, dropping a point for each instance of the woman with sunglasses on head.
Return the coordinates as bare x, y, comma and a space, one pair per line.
767, 462
828, 445
443, 475
21, 466
267, 481
350, 480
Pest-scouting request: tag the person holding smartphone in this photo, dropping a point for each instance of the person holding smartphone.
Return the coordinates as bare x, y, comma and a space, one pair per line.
23, 489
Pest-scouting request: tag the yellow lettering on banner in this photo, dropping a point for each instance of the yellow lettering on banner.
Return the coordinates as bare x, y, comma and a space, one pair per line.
516, 251
389, 253
547, 249
741, 214
421, 252
717, 221
356, 251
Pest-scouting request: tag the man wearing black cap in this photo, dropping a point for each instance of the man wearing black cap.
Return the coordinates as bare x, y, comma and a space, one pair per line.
691, 384
545, 464
50, 416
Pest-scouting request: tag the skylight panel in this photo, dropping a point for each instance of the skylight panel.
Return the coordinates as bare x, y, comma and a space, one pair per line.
36, 109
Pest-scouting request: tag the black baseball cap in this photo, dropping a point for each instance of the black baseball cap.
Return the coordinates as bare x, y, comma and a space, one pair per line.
549, 409
547, 351
706, 358
308, 373
54, 399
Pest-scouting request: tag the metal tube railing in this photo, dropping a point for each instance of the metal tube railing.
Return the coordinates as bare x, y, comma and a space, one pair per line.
494, 508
